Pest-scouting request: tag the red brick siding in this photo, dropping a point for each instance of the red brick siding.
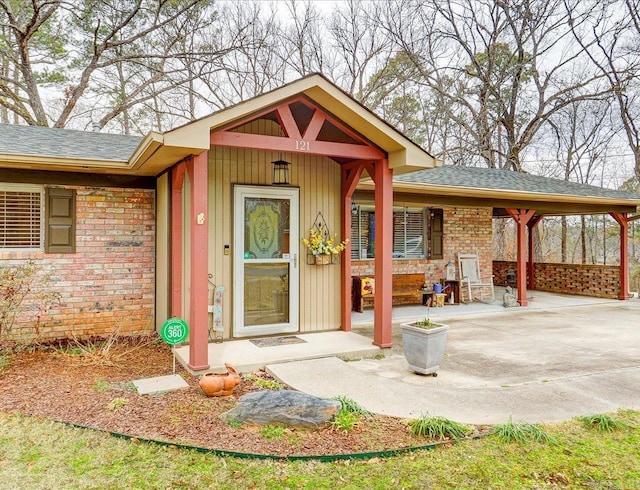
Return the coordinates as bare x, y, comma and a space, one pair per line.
108, 284
601, 281
465, 231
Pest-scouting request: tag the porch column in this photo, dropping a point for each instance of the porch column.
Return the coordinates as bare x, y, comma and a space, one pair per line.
349, 177
198, 317
521, 217
623, 221
177, 182
382, 314
533, 222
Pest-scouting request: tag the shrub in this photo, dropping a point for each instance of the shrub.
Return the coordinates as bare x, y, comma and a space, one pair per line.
345, 421
602, 422
352, 406
520, 432
438, 428
24, 287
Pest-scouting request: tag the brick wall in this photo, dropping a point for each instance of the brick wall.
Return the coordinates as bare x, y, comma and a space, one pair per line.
601, 281
465, 231
108, 284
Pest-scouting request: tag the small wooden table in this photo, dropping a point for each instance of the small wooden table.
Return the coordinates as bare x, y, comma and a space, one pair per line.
449, 287
427, 296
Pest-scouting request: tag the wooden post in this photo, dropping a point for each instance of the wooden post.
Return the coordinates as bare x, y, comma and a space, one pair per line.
199, 316
349, 177
382, 304
177, 181
623, 221
521, 217
533, 222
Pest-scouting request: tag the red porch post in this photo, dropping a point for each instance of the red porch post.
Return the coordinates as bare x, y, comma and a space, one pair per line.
533, 222
349, 177
382, 314
623, 221
521, 217
198, 317
177, 181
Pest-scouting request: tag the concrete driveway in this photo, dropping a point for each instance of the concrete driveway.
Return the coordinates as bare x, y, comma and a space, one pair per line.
535, 366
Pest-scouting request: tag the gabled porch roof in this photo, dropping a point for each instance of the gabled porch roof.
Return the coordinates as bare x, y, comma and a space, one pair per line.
159, 151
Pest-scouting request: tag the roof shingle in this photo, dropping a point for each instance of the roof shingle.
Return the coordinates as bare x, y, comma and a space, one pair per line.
505, 180
66, 143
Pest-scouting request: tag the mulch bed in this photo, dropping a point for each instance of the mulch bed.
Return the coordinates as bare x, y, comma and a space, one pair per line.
84, 385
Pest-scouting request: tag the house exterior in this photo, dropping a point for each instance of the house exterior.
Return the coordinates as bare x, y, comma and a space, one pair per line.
195, 222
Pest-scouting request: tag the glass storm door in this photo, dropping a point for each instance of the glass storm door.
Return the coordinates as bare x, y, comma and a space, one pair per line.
265, 257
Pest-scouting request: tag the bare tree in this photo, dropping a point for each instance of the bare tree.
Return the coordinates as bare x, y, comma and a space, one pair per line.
584, 136
360, 48
101, 58
610, 38
257, 65
510, 65
304, 48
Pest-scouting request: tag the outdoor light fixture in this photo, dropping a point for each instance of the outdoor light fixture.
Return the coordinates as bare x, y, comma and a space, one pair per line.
280, 172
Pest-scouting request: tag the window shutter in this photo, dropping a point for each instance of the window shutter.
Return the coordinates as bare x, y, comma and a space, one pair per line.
436, 224
60, 235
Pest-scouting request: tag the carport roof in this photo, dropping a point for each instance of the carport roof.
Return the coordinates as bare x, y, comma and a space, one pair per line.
503, 180
500, 189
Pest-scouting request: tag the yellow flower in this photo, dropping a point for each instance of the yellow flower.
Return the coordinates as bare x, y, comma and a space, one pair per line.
318, 245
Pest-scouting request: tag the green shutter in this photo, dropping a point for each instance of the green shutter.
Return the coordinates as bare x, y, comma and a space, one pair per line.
60, 225
436, 226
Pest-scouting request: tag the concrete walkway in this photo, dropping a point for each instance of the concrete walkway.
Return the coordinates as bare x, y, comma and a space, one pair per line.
545, 365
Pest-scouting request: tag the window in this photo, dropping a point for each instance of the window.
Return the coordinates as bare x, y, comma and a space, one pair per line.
20, 216
411, 228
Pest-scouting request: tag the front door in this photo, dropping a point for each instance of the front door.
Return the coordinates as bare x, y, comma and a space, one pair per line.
265, 256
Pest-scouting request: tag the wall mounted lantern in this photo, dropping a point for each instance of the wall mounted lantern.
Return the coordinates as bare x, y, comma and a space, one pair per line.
280, 172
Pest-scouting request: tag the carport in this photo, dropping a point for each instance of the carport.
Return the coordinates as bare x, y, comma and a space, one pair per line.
524, 198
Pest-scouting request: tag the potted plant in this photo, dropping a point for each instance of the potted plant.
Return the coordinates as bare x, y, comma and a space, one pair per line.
424, 343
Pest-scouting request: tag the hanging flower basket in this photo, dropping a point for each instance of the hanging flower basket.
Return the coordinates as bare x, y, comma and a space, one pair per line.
321, 246
323, 259
318, 259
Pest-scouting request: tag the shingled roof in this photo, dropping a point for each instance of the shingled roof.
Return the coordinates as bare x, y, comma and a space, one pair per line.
66, 143
503, 180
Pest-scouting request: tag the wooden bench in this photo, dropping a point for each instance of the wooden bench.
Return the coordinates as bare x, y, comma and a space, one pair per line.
405, 290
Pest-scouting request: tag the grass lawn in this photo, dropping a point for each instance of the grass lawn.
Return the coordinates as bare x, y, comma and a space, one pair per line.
37, 453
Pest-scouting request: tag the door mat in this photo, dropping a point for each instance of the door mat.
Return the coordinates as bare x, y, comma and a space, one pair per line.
273, 341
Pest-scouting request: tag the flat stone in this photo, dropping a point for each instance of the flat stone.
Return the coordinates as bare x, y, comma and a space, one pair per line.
160, 384
286, 407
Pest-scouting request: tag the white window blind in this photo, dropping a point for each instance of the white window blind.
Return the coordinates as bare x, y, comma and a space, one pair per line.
409, 233
20, 217
414, 231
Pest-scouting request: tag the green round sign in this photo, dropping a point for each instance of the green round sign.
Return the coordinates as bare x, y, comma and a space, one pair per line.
174, 331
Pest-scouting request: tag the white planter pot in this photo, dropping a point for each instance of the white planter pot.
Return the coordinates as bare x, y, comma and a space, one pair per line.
424, 348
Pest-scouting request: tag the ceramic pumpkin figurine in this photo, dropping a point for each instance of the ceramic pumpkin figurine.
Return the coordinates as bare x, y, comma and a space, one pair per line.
220, 384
